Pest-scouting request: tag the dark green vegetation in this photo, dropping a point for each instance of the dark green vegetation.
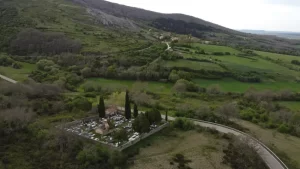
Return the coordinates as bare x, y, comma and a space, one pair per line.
101, 107
75, 53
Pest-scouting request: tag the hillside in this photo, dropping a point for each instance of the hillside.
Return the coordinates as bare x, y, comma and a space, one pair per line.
184, 24
70, 56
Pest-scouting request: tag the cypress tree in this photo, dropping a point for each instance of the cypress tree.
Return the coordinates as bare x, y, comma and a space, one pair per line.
135, 111
127, 106
166, 118
101, 107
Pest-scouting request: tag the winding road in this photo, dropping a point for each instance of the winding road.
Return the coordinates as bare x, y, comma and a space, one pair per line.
8, 79
265, 153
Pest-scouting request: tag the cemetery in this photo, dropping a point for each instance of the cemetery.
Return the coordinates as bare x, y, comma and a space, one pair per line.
115, 128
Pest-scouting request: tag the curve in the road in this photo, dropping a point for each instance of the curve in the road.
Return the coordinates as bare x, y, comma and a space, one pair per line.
269, 157
8, 79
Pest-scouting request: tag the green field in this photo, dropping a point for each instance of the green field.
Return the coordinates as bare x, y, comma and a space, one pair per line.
230, 85
18, 74
284, 58
293, 105
215, 48
194, 65
258, 65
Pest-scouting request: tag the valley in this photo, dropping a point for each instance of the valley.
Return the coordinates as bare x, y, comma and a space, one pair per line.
67, 56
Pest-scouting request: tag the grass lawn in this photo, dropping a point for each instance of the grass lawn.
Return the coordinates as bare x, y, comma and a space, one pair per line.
202, 149
293, 105
194, 65
230, 85
18, 74
288, 144
215, 48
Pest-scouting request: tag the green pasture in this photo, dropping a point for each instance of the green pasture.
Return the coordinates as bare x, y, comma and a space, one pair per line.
194, 65
242, 64
276, 56
293, 105
18, 74
230, 85
215, 48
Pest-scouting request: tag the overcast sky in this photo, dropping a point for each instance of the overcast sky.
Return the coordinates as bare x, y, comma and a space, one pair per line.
274, 15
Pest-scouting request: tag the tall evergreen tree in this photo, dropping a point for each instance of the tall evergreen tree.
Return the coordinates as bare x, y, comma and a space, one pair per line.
166, 118
101, 107
135, 111
127, 106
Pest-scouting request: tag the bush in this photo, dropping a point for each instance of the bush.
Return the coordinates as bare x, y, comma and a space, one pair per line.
183, 124
80, 103
284, 128
45, 64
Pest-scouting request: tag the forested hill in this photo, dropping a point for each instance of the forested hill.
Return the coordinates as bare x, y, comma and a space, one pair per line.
103, 27
183, 24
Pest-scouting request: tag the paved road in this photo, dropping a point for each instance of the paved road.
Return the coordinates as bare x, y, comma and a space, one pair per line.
169, 47
8, 79
265, 153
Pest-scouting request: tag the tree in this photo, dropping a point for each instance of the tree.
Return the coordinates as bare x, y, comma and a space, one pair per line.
101, 107
166, 116
214, 89
127, 106
86, 72
135, 111
228, 111
153, 116
141, 124
120, 135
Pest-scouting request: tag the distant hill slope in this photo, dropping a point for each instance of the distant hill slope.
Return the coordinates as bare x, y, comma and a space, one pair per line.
103, 26
282, 34
184, 24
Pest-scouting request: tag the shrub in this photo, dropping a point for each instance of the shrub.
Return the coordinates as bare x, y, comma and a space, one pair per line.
283, 128
183, 124
80, 103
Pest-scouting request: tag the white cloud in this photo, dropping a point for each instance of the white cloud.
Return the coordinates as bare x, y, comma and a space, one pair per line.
235, 14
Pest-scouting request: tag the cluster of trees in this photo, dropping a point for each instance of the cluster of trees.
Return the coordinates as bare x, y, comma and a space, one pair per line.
220, 53
143, 121
7, 61
258, 108
247, 78
295, 62
11, 21
68, 81
182, 27
176, 75
182, 85
248, 158
31, 41
22, 132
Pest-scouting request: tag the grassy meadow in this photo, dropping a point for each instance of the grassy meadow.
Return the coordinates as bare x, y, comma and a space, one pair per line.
194, 65
201, 148
18, 74
215, 48
230, 85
